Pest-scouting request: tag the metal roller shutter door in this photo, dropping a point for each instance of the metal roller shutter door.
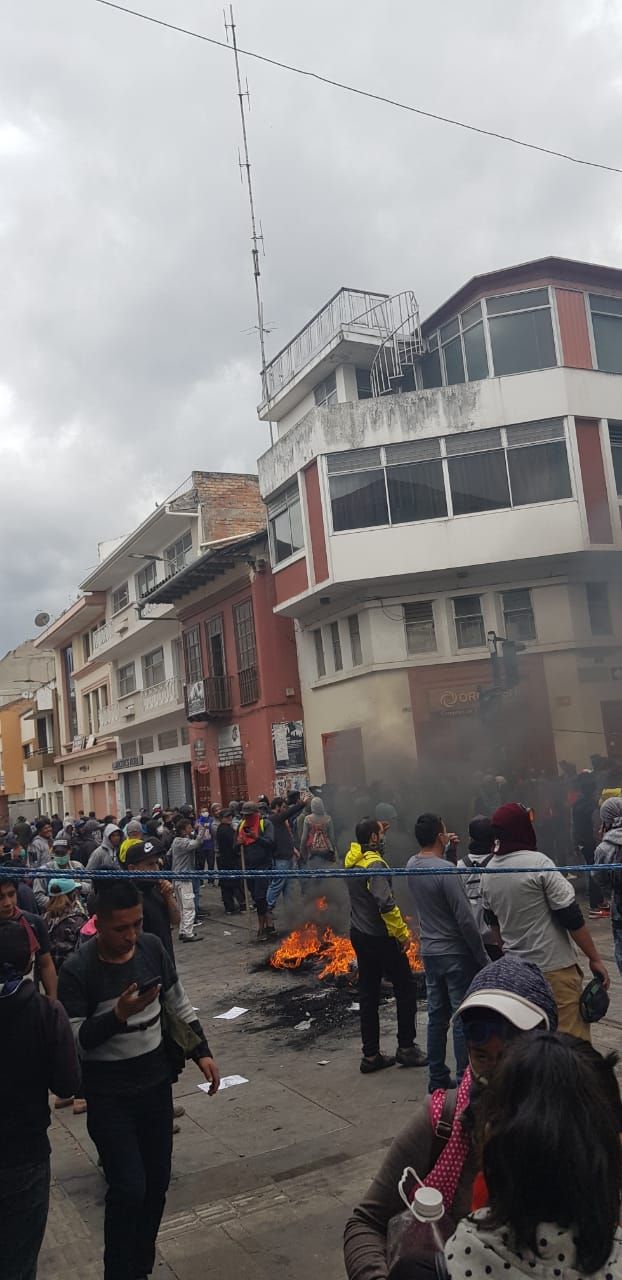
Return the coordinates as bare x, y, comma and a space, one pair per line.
151, 784
132, 791
175, 785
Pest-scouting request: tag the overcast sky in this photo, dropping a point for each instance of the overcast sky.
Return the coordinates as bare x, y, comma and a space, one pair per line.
127, 293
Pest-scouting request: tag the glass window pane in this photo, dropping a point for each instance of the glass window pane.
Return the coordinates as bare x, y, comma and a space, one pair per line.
470, 633
611, 306
598, 608
430, 366
471, 315
295, 514
416, 492
475, 352
355, 640
358, 501
539, 473
522, 301
608, 342
450, 330
281, 536
363, 384
319, 653
465, 606
522, 342
336, 642
518, 615
454, 364
479, 482
616, 454
420, 634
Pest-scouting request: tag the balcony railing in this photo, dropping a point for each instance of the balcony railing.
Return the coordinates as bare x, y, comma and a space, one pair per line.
142, 705
210, 696
102, 636
249, 686
348, 307
39, 759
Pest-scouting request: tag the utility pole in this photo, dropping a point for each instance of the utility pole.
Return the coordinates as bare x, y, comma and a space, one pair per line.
256, 236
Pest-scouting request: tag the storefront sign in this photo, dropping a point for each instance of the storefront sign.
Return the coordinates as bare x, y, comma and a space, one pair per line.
129, 762
288, 740
230, 745
195, 699
453, 702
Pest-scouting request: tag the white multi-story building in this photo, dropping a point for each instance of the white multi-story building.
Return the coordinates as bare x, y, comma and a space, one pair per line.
436, 487
120, 666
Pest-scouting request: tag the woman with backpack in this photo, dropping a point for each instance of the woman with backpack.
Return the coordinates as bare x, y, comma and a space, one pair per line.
317, 843
506, 999
65, 917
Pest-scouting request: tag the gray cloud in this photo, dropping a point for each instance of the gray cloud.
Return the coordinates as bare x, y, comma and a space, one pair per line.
124, 245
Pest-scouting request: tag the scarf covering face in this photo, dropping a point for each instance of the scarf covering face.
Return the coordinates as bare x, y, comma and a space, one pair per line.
513, 828
249, 828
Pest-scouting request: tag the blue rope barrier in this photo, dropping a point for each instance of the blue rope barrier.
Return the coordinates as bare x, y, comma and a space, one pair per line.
293, 873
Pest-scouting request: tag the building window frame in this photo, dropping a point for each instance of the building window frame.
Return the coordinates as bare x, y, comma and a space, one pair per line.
519, 620
320, 655
335, 642
354, 635
126, 679
414, 614
146, 579
287, 503
471, 617
325, 392
438, 339
153, 667
598, 602
178, 554
120, 598
193, 654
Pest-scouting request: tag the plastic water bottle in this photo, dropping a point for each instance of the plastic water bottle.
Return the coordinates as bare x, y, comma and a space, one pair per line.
419, 1234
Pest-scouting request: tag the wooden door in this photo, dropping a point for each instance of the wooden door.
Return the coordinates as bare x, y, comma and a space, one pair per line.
233, 784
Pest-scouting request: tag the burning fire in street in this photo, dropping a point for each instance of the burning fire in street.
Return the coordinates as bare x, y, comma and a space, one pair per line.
335, 953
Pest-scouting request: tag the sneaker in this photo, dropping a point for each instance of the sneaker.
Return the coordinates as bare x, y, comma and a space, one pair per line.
411, 1057
193, 939
599, 913
378, 1063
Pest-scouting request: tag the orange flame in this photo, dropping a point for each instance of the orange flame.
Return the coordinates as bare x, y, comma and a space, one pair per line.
336, 953
321, 904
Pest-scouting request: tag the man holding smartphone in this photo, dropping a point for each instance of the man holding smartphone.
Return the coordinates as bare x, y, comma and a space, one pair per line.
112, 989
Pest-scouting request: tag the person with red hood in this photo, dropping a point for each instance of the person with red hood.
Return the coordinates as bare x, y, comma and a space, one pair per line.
537, 914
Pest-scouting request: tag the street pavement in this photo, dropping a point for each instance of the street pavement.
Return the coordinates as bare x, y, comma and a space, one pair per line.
265, 1173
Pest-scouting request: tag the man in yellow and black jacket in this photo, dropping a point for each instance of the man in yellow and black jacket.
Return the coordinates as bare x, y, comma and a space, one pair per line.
380, 938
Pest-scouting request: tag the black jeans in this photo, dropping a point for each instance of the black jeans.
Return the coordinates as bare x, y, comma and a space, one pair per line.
134, 1138
595, 892
24, 1200
380, 958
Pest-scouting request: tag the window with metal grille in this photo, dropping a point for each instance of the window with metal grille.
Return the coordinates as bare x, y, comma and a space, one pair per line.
126, 679
167, 740
518, 614
193, 656
320, 660
615, 440
469, 622
336, 643
419, 625
598, 608
607, 328
153, 668
120, 598
128, 749
214, 634
145, 746
179, 554
355, 640
285, 525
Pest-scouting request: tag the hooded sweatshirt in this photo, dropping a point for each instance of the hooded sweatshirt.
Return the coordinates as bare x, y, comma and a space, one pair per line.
104, 857
318, 834
38, 1056
610, 851
473, 1252
41, 886
372, 906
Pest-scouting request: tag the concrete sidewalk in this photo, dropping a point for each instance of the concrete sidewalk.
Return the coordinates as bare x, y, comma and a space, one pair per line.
264, 1175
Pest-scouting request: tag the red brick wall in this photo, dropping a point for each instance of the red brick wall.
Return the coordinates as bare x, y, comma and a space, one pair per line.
230, 504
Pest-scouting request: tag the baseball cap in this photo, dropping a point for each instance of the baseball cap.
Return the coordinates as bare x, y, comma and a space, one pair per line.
514, 989
142, 851
64, 885
60, 843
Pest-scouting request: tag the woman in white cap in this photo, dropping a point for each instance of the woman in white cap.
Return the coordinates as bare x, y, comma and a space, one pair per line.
505, 1000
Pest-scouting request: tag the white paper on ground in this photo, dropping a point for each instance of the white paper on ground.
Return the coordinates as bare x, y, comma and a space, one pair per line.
303, 1026
353, 1008
235, 1012
227, 933
322, 1062
227, 1082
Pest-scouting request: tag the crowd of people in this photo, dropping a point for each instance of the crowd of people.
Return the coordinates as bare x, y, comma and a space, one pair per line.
88, 976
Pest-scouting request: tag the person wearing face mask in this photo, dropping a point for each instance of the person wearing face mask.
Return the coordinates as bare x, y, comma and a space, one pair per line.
452, 949
62, 861
506, 1000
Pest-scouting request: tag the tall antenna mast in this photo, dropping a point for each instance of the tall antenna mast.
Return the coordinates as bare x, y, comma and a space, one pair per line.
256, 236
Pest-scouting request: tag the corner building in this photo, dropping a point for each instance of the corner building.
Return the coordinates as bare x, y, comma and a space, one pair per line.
434, 484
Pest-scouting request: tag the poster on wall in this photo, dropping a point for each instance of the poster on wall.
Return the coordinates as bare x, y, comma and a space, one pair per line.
285, 782
230, 745
288, 741
195, 699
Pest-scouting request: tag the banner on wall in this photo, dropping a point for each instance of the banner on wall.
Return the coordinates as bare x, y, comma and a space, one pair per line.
288, 742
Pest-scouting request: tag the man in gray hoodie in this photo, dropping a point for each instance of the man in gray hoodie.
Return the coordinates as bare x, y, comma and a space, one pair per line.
106, 856
610, 851
183, 849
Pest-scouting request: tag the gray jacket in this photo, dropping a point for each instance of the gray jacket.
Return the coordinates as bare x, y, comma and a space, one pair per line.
105, 857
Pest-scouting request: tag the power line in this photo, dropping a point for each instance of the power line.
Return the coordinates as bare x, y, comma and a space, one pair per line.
362, 93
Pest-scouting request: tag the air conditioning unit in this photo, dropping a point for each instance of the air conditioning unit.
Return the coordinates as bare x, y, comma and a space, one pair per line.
128, 710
